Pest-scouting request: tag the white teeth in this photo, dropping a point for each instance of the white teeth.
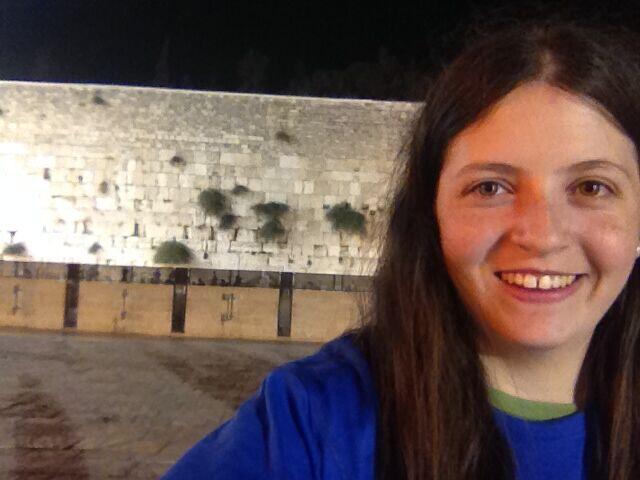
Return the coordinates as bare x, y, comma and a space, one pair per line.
543, 282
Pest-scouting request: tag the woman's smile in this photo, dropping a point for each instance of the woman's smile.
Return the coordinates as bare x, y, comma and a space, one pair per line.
540, 289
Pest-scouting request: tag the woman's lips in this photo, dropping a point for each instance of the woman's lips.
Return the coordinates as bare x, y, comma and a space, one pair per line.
535, 295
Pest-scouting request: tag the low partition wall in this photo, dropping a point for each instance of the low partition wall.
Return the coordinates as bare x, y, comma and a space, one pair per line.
32, 303
125, 308
180, 302
223, 312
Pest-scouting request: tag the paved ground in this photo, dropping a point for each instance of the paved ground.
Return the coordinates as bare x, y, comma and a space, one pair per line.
86, 407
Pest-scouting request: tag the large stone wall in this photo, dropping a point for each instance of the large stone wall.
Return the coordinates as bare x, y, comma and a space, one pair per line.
84, 165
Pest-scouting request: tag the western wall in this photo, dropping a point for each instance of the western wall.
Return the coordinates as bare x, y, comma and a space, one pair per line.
104, 174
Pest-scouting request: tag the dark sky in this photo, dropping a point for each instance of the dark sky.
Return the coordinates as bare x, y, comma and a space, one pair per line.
274, 46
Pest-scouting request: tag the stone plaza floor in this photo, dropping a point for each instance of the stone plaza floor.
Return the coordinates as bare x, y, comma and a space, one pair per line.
97, 407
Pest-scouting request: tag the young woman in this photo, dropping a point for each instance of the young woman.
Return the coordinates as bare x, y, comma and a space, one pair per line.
504, 335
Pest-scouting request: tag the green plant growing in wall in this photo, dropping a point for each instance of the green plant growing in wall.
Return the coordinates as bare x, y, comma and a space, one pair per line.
177, 161
98, 100
17, 249
213, 202
228, 221
345, 219
283, 136
239, 190
272, 229
95, 248
271, 209
173, 252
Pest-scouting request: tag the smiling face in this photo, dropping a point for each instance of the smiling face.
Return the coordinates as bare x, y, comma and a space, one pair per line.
543, 188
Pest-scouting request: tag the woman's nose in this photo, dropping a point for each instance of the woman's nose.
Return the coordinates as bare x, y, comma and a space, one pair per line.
538, 225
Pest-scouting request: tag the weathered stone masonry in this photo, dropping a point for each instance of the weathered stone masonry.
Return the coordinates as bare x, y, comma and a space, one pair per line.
86, 164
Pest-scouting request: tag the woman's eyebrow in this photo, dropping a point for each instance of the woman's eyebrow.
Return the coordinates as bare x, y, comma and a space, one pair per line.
506, 169
597, 164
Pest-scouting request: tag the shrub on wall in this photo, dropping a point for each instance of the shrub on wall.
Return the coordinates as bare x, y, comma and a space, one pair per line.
177, 161
15, 249
283, 136
345, 219
228, 220
173, 252
95, 248
272, 230
98, 100
240, 190
213, 202
271, 210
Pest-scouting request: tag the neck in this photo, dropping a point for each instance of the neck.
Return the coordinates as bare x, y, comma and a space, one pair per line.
543, 375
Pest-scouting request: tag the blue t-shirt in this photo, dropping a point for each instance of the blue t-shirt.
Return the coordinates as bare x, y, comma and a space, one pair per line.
315, 418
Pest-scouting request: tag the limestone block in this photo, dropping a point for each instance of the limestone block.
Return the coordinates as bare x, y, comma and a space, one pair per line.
250, 223
298, 186
291, 161
371, 177
227, 183
276, 197
255, 184
200, 157
310, 201
279, 262
240, 159
320, 250
308, 187
331, 238
163, 206
244, 247
77, 162
221, 246
44, 161
161, 179
333, 250
172, 180
105, 204
354, 188
259, 261
202, 182
186, 181
245, 235
337, 176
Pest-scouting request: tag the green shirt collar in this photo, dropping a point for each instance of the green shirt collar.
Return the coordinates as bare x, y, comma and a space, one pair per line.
529, 409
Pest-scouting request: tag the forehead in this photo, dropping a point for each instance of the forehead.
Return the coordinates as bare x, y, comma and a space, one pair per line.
537, 127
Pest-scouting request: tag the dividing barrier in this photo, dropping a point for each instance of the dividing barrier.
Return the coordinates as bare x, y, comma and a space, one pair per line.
179, 302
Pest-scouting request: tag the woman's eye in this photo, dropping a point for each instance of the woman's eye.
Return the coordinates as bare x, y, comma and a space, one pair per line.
594, 188
488, 189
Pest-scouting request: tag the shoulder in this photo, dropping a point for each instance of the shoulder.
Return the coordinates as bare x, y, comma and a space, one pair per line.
337, 368
332, 392
334, 382
311, 418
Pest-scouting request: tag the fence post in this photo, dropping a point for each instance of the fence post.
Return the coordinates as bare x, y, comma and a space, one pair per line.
284, 304
179, 306
71, 294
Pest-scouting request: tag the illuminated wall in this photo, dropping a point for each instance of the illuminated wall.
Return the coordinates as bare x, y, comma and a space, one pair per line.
121, 168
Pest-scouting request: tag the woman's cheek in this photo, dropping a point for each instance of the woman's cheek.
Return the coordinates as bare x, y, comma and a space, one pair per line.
610, 243
467, 237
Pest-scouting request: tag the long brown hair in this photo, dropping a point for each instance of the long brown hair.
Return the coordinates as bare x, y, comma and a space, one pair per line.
435, 421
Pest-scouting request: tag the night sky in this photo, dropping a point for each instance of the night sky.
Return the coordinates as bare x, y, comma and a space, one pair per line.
370, 49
